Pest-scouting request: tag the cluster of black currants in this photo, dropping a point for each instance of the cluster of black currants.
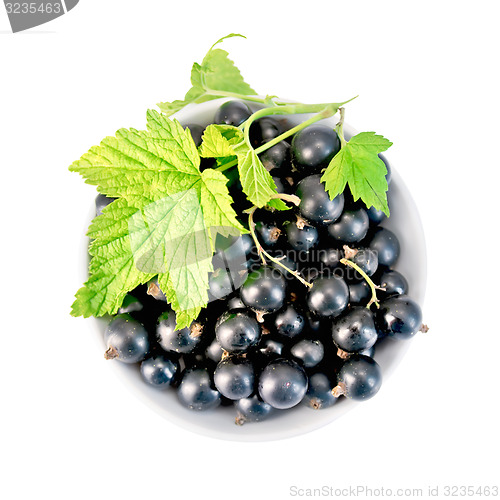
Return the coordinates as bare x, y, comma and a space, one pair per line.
268, 341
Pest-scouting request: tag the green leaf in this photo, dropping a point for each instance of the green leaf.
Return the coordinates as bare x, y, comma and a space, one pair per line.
358, 165
224, 141
278, 204
142, 166
164, 222
216, 75
256, 181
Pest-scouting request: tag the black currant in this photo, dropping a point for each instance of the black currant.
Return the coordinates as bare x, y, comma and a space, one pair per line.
159, 371
399, 317
264, 290
283, 383
354, 331
126, 340
184, 340
314, 146
328, 297
352, 226
232, 113
319, 392
359, 378
386, 245
252, 409
236, 331
196, 390
315, 204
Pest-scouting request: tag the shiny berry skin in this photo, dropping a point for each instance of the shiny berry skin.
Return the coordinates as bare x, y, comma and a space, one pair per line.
126, 340
394, 283
196, 390
308, 352
234, 378
236, 331
301, 240
359, 293
354, 331
264, 130
328, 297
252, 409
399, 317
287, 262
313, 147
220, 284
235, 303
196, 132
376, 216
214, 351
283, 384
352, 226
276, 159
159, 371
172, 340
270, 348
289, 322
367, 260
330, 257
102, 202
315, 204
319, 392
386, 245
359, 377
264, 290
130, 304
232, 113
268, 232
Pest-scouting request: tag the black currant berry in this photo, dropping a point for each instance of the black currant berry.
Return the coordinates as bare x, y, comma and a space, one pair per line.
236, 331
251, 409
181, 341
328, 297
314, 147
352, 226
196, 390
159, 371
399, 317
319, 393
359, 378
386, 245
264, 290
126, 340
232, 113
283, 384
315, 204
355, 331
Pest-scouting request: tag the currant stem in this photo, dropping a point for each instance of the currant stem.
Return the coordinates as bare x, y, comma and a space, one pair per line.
262, 253
373, 286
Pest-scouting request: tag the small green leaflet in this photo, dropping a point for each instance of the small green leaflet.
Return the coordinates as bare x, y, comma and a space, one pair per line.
227, 142
163, 223
216, 74
358, 165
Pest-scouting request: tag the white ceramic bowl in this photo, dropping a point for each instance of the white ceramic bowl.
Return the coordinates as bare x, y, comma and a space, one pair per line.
219, 423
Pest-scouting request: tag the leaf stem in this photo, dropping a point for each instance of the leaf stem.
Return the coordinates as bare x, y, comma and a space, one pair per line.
340, 128
323, 111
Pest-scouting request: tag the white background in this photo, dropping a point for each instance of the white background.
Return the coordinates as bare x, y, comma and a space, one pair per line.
427, 76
